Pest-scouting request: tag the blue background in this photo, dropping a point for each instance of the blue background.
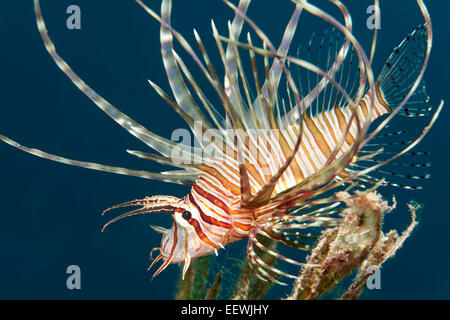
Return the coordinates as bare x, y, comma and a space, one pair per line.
50, 214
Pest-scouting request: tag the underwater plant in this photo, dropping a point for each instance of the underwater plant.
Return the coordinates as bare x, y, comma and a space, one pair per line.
287, 162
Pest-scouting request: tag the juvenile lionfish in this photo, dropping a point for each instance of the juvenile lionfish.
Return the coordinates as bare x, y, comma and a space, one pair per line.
271, 168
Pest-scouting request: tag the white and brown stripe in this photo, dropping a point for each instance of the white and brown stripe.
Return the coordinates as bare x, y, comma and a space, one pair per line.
217, 193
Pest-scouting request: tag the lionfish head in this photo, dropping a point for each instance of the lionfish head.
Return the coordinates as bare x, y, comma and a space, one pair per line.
184, 240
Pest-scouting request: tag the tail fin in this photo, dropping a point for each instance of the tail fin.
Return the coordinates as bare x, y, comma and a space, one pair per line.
401, 71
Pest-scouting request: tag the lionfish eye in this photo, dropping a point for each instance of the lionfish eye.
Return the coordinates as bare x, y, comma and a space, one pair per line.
186, 215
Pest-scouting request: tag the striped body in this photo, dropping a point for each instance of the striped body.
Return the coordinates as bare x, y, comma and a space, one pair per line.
216, 194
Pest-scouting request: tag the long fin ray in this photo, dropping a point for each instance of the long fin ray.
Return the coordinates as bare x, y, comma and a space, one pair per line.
276, 70
179, 88
230, 56
186, 180
156, 142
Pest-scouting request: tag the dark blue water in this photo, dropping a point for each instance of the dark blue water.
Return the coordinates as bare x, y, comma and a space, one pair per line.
51, 213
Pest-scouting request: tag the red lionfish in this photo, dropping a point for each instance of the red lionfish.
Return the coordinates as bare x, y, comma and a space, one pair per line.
281, 153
